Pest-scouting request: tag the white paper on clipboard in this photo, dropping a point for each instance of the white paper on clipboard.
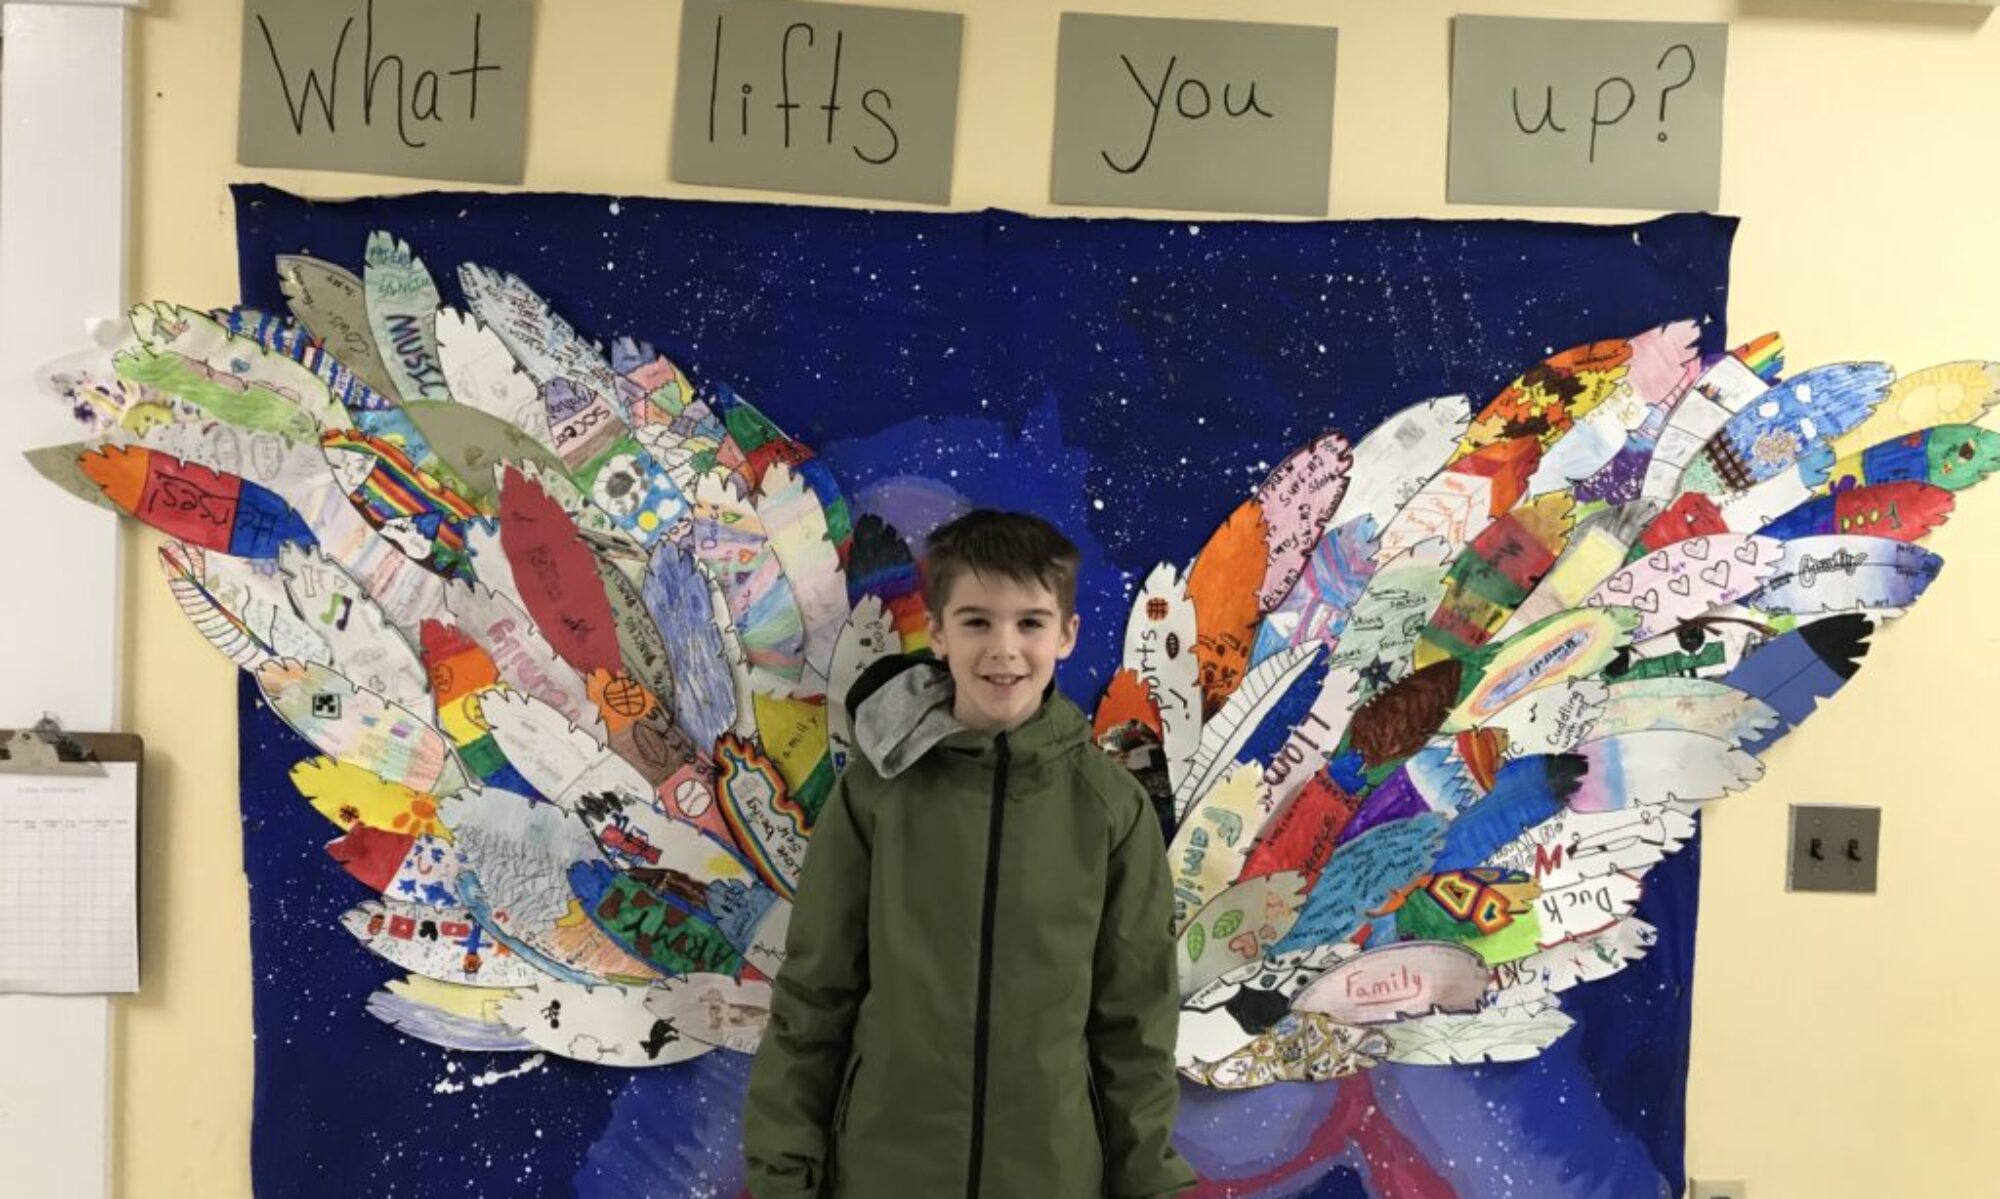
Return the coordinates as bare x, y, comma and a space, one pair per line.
69, 881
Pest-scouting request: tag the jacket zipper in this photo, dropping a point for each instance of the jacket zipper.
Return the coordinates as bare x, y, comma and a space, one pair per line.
981, 1030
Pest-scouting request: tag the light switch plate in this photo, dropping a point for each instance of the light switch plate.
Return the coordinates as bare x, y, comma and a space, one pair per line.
1834, 848
1728, 1188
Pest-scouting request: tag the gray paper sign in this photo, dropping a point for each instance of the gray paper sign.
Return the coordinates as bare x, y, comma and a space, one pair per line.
436, 89
834, 99
1610, 114
1223, 116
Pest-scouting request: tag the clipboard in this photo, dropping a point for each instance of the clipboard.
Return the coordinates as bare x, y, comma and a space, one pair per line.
70, 837
47, 749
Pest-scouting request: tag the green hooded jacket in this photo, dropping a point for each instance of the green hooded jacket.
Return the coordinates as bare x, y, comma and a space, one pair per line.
978, 997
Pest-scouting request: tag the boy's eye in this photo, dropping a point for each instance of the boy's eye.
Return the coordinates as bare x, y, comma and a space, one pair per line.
1032, 623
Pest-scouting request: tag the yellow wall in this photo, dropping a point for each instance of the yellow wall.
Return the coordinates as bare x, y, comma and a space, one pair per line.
1838, 1046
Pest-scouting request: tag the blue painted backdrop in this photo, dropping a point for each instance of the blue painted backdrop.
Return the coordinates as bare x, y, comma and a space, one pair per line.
1130, 380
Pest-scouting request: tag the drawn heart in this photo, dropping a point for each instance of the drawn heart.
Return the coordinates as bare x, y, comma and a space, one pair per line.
1620, 584
1747, 553
1696, 548
1648, 603
1658, 561
1245, 946
1679, 585
1716, 576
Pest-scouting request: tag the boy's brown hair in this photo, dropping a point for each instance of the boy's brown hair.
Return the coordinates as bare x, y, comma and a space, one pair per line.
1010, 545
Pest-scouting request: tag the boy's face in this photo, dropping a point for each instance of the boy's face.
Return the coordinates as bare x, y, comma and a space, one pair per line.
1002, 640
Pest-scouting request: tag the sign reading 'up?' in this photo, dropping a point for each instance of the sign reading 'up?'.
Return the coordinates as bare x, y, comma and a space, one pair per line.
1615, 114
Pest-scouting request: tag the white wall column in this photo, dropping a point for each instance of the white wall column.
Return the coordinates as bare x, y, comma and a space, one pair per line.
64, 182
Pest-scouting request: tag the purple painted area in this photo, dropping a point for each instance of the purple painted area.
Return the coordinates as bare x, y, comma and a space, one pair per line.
1396, 798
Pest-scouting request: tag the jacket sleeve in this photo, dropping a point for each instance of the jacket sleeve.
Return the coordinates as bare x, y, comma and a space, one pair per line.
796, 1078
1135, 1016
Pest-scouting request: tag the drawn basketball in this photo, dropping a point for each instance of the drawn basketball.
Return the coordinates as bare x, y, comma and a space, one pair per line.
627, 697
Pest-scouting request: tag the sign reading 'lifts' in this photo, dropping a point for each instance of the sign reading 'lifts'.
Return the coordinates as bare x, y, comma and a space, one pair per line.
832, 99
434, 90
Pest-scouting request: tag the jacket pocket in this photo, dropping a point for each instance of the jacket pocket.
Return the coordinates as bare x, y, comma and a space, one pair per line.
846, 1094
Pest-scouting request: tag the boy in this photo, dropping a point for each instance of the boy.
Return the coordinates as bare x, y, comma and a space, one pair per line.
979, 994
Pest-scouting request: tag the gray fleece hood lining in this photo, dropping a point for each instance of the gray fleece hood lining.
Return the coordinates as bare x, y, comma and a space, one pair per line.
905, 718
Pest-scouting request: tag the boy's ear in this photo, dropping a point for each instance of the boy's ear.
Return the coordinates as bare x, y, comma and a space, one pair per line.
936, 629
1068, 645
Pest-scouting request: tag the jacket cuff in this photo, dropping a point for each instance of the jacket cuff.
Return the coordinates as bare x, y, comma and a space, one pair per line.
1167, 1178
795, 1179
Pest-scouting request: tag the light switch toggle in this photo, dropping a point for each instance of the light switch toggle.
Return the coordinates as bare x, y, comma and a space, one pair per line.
1834, 848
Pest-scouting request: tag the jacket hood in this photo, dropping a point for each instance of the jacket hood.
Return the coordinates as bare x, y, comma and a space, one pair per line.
901, 709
